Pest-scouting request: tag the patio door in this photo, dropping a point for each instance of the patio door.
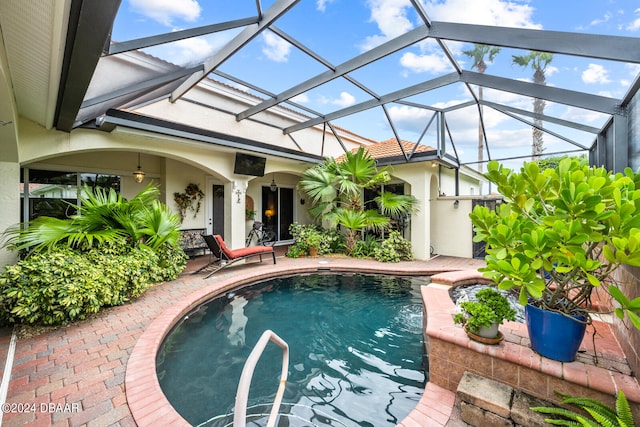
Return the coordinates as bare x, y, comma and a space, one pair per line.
216, 220
277, 211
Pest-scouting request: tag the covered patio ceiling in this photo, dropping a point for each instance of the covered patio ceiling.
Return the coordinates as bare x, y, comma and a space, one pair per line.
415, 105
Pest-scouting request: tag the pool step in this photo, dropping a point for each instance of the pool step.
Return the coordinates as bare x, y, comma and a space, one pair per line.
288, 416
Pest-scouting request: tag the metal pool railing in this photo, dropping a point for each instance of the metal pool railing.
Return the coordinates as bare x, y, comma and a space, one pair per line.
242, 395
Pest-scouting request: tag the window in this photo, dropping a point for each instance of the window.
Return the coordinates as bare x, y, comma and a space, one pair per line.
51, 193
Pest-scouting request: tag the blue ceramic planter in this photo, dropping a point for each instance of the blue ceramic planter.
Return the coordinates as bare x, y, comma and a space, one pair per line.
553, 335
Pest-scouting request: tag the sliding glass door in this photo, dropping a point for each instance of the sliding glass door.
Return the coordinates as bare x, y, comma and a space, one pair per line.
277, 211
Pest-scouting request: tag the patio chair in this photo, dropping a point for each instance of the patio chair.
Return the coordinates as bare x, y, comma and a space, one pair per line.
226, 257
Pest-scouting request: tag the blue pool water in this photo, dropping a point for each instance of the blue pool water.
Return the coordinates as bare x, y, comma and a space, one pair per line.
355, 345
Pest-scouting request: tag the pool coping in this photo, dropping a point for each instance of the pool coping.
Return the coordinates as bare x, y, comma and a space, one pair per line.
148, 403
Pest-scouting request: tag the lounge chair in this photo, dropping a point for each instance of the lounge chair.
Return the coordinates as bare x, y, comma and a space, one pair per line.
226, 257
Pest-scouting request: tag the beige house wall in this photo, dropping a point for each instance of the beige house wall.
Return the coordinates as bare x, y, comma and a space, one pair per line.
451, 230
174, 162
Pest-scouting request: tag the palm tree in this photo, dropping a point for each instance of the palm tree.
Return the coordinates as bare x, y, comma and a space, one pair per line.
335, 189
103, 216
479, 53
538, 62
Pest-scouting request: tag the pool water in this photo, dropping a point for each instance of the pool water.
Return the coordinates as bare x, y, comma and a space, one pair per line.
355, 344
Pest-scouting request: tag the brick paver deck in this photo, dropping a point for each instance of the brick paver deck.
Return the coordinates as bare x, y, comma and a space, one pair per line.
75, 375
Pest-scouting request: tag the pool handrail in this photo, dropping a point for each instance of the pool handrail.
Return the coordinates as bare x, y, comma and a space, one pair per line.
242, 395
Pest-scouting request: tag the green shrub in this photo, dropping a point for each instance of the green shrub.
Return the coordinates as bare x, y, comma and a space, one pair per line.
365, 248
331, 241
295, 251
171, 262
395, 248
491, 306
62, 285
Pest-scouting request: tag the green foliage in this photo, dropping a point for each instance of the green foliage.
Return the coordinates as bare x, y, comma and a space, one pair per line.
63, 284
108, 253
478, 54
491, 306
365, 248
553, 162
599, 414
335, 190
103, 216
296, 251
354, 221
395, 248
562, 232
186, 200
306, 235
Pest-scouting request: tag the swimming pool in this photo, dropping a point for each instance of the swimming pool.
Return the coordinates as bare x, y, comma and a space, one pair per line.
355, 351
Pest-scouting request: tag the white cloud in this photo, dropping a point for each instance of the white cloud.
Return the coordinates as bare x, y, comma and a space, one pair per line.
634, 69
345, 100
485, 12
409, 118
605, 18
191, 51
580, 115
635, 25
303, 98
595, 74
275, 48
165, 11
429, 63
551, 70
391, 18
321, 5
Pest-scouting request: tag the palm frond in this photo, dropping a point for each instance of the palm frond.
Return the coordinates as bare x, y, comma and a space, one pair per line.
396, 205
103, 216
375, 220
318, 184
623, 409
160, 226
601, 414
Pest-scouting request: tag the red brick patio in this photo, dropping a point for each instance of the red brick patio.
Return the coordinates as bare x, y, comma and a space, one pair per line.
75, 375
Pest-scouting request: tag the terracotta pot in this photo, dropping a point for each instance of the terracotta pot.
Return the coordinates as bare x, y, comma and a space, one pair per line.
483, 340
313, 251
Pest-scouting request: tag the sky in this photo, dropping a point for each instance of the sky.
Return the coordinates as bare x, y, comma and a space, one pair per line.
337, 30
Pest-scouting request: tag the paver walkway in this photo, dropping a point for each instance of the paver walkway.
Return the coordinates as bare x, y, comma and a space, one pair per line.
75, 375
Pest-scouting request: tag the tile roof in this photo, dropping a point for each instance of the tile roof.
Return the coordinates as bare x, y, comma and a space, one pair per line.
391, 148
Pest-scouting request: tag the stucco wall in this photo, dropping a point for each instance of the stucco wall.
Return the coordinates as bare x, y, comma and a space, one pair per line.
467, 186
451, 230
417, 178
10, 202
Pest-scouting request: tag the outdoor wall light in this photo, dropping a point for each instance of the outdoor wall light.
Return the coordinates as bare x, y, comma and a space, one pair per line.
456, 204
273, 185
239, 191
138, 175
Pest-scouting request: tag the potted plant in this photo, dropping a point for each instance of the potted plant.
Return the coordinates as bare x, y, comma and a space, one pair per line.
482, 318
313, 240
561, 234
249, 214
192, 194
